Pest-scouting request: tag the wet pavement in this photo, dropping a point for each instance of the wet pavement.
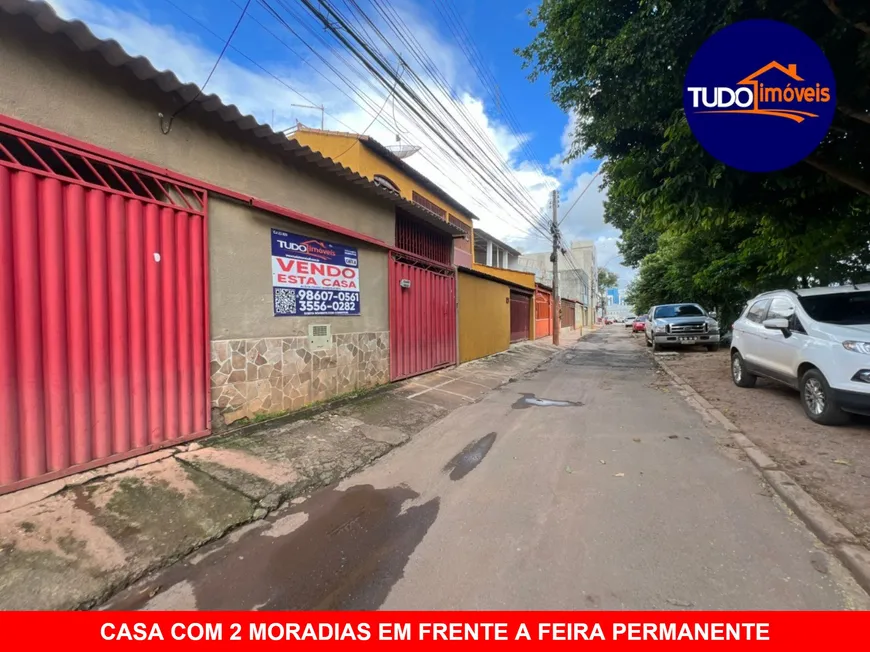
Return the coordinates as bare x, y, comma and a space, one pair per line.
584, 485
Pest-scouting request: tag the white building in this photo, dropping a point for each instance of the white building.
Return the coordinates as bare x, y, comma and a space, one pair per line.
577, 273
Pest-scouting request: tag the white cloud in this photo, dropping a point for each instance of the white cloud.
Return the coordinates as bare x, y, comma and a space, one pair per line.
191, 56
237, 81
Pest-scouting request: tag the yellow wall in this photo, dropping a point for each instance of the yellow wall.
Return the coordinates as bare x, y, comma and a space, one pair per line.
523, 279
484, 317
347, 150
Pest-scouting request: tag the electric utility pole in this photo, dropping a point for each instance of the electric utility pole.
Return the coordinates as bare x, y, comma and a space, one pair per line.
557, 301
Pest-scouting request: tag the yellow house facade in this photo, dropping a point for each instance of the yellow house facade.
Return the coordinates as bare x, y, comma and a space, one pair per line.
495, 305
376, 162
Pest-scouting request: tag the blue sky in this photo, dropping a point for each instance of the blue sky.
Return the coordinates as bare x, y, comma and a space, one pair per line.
268, 69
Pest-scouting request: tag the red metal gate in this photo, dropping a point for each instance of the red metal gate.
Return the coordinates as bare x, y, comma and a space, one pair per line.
422, 317
520, 307
567, 314
543, 314
103, 311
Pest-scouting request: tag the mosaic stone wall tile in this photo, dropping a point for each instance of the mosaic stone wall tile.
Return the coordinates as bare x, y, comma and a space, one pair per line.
323, 384
272, 374
346, 379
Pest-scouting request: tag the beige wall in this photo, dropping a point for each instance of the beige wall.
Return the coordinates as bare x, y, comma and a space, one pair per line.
240, 268
484, 317
48, 82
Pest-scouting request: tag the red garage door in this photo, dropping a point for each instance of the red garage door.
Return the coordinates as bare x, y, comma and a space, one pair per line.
543, 314
567, 314
422, 317
103, 302
520, 308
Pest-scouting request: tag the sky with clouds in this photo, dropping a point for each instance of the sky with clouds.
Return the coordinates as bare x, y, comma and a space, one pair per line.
276, 63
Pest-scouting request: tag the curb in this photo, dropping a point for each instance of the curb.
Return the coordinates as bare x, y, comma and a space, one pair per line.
828, 529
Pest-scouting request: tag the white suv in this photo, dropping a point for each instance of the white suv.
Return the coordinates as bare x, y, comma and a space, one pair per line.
815, 340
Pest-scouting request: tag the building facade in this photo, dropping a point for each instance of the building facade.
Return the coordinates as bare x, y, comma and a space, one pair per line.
210, 271
494, 299
577, 275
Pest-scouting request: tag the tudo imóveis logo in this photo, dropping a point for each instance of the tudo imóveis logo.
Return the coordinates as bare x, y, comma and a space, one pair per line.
759, 95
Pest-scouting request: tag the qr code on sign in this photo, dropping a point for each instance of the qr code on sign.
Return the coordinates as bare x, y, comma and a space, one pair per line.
285, 301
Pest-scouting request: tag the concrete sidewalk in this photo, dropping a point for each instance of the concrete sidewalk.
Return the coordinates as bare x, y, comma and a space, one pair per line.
76, 542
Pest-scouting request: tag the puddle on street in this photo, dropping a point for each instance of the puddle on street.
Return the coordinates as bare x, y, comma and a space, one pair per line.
530, 400
469, 457
347, 554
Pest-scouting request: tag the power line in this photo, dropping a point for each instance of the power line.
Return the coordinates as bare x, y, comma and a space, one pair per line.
250, 59
168, 127
579, 196
411, 99
486, 77
406, 35
361, 94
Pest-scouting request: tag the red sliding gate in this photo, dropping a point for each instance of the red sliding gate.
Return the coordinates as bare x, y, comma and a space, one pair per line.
422, 316
103, 310
520, 315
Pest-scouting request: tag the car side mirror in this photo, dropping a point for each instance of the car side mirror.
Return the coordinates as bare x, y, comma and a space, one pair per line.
778, 324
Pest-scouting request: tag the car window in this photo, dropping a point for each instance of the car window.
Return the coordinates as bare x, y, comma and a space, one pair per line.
758, 310
839, 308
683, 310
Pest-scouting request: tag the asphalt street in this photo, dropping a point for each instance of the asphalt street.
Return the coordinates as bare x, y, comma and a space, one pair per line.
587, 484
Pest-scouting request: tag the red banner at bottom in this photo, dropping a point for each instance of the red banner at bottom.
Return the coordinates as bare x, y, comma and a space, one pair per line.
431, 630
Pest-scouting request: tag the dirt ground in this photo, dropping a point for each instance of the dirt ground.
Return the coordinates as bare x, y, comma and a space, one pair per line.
831, 463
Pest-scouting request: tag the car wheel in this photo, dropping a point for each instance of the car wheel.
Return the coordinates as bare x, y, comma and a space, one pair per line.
648, 342
712, 348
818, 400
656, 347
739, 375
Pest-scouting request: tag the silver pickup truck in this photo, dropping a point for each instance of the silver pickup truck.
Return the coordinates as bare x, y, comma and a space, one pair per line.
681, 324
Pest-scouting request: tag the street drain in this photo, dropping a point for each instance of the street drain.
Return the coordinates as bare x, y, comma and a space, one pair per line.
469, 457
530, 400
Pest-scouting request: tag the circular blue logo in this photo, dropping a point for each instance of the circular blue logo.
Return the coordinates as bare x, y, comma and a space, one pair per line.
759, 95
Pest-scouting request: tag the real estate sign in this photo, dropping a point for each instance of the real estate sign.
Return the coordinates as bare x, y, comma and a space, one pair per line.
312, 277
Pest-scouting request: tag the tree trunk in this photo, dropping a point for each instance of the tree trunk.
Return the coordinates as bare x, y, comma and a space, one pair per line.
843, 177
835, 9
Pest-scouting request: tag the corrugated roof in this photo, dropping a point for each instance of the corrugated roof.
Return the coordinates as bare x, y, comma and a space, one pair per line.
79, 33
384, 152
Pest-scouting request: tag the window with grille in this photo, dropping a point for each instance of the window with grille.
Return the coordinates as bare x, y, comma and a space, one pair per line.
416, 238
425, 203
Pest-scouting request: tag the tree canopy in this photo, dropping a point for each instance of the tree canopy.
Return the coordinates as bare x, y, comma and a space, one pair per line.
696, 229
607, 279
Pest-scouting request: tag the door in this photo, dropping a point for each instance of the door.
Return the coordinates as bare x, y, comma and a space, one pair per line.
780, 352
104, 310
754, 335
567, 314
543, 314
422, 316
520, 311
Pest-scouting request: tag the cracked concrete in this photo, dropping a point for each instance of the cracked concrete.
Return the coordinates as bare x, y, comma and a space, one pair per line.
73, 543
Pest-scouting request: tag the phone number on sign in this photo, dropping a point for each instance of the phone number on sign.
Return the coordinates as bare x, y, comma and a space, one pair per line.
327, 295
323, 306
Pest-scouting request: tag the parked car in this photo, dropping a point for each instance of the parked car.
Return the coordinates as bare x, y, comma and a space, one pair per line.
639, 324
629, 321
816, 341
681, 324
608, 321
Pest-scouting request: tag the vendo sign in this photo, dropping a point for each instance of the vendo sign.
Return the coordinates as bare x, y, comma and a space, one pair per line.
312, 277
